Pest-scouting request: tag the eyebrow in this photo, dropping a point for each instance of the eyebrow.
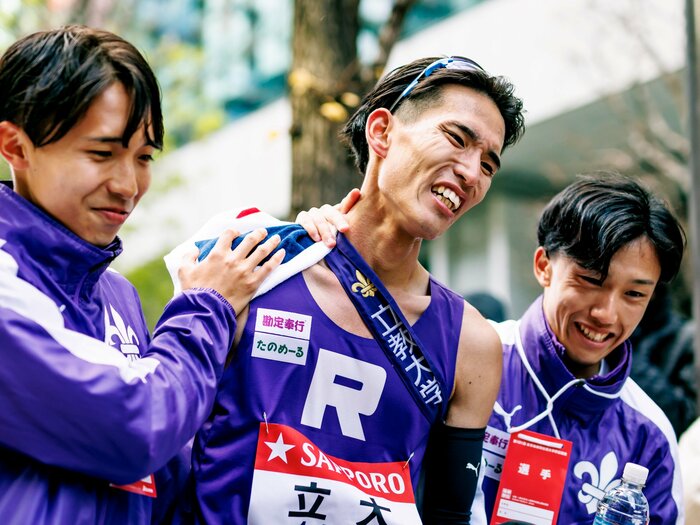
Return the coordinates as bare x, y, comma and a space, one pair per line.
476, 138
104, 139
644, 281
115, 140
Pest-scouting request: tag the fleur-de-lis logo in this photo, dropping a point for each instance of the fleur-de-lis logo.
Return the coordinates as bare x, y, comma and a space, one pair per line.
127, 339
602, 482
364, 286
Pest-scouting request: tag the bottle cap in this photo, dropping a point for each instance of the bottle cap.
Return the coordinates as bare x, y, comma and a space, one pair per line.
635, 473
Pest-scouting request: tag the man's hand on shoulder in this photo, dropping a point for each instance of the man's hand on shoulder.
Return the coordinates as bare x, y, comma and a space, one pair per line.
235, 274
322, 224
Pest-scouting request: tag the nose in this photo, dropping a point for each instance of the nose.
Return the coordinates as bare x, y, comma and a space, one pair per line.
468, 167
604, 310
124, 181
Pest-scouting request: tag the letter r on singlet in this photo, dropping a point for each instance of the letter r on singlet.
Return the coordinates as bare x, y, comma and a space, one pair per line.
349, 402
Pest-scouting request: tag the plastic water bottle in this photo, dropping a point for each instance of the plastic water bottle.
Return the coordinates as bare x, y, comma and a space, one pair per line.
625, 504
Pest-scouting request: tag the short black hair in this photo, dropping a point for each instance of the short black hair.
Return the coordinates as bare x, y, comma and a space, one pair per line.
597, 215
49, 79
389, 88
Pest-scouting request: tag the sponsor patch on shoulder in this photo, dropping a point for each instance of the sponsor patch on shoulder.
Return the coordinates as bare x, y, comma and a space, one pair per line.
281, 336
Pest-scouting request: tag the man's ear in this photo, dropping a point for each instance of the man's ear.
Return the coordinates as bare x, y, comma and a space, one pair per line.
379, 122
542, 267
14, 144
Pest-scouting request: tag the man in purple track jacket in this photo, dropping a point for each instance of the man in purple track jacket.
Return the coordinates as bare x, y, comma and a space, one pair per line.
90, 405
604, 244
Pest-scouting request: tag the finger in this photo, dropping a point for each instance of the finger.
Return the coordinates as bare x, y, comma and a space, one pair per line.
349, 201
305, 220
270, 265
187, 261
249, 242
335, 218
223, 243
322, 221
263, 250
189, 256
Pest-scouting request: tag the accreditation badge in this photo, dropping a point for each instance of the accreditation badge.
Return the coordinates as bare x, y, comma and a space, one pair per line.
142, 487
295, 482
532, 481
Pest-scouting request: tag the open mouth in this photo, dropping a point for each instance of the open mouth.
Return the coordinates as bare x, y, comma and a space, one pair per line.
448, 197
596, 337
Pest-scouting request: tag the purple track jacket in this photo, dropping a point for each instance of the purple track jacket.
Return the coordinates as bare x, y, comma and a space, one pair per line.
87, 398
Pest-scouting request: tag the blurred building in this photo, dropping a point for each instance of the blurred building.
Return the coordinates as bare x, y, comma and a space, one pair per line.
247, 43
574, 63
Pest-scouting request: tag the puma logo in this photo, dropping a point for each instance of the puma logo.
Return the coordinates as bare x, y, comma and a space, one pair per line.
474, 468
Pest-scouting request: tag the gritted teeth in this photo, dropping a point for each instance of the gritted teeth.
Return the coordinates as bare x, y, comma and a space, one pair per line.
448, 197
590, 334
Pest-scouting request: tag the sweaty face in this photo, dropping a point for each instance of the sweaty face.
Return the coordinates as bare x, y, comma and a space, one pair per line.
591, 317
88, 180
440, 163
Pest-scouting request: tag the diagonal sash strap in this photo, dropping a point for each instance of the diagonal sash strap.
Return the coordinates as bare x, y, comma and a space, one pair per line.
390, 329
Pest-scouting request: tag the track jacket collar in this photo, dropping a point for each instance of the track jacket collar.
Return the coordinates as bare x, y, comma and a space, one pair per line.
544, 354
34, 235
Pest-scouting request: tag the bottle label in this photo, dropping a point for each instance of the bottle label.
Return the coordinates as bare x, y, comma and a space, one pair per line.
532, 481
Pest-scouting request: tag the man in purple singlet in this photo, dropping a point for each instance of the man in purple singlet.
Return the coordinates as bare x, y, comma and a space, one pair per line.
341, 374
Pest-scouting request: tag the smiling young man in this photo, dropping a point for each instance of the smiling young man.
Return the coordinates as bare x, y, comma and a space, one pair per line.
604, 245
90, 404
341, 372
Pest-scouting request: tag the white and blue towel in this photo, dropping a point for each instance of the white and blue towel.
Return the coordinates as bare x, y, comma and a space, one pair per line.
301, 251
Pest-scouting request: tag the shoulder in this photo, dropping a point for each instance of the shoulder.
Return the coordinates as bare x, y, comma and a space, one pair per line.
478, 336
114, 276
507, 331
441, 292
479, 358
658, 449
478, 371
648, 412
119, 283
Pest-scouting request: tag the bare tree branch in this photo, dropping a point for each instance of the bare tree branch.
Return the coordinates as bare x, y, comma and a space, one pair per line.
388, 35
390, 32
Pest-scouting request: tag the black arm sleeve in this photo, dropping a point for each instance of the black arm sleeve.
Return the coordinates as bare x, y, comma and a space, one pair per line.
451, 474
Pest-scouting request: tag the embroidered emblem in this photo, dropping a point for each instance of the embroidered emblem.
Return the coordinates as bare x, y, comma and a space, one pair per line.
126, 339
601, 480
364, 286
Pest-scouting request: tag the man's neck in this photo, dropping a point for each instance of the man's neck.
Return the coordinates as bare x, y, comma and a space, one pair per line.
390, 251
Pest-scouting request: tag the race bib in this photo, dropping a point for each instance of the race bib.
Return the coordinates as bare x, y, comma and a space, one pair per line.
532, 481
295, 482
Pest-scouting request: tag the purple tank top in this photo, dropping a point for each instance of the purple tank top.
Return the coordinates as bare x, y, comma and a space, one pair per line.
312, 423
